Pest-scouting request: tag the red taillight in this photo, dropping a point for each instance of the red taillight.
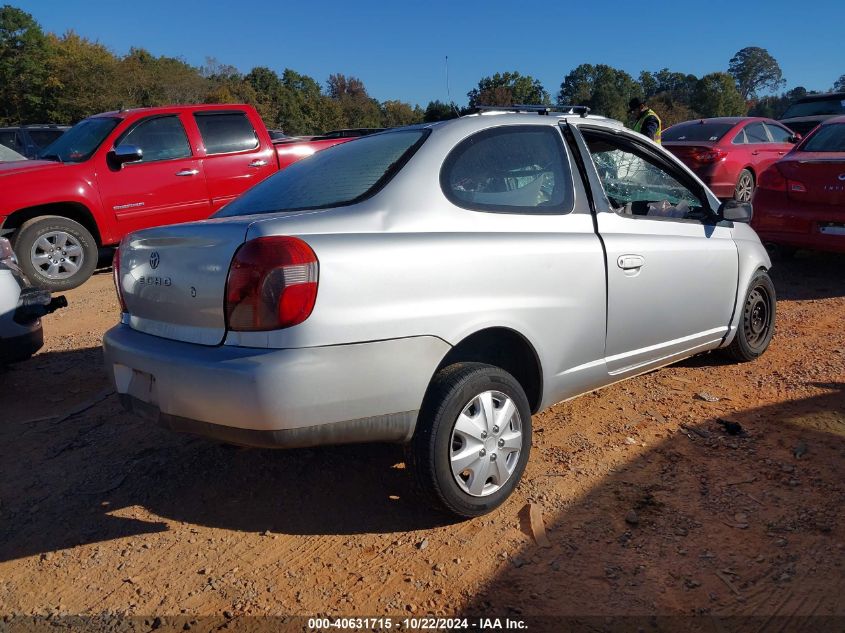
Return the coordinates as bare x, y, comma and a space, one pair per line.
272, 284
709, 156
772, 179
115, 268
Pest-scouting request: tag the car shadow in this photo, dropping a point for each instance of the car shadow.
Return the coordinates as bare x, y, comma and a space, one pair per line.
64, 482
809, 275
744, 528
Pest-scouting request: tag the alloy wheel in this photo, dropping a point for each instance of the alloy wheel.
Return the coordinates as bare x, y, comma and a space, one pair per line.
745, 187
57, 255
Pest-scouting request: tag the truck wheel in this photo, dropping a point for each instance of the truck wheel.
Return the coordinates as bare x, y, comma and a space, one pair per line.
757, 322
55, 253
472, 439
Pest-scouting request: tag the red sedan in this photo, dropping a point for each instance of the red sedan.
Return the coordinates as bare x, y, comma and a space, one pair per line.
730, 153
800, 201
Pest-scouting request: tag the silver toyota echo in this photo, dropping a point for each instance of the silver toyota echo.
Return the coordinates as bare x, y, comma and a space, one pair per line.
435, 286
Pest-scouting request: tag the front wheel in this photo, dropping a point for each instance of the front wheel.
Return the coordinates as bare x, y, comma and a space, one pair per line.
757, 322
55, 252
472, 439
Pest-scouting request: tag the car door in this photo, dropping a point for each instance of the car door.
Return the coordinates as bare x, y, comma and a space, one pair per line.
764, 151
671, 268
166, 186
235, 159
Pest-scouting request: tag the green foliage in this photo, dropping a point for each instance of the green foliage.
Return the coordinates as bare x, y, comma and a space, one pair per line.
839, 84
716, 94
774, 106
24, 52
606, 90
439, 111
506, 89
754, 69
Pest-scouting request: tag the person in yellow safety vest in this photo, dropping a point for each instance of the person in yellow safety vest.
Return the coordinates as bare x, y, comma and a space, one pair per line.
646, 121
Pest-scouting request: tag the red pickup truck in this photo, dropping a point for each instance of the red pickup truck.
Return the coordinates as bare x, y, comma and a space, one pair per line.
118, 172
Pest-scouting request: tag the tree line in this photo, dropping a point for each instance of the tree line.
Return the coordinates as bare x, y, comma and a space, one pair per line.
52, 78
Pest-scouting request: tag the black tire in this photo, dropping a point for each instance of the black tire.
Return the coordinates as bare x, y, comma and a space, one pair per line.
49, 226
744, 189
453, 390
757, 322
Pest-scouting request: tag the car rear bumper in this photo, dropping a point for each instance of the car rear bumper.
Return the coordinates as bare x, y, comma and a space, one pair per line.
785, 223
363, 392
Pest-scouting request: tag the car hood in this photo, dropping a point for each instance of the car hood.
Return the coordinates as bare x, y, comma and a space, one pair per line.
27, 166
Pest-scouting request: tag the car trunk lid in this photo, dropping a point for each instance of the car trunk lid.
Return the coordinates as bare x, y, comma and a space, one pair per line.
816, 177
173, 278
689, 151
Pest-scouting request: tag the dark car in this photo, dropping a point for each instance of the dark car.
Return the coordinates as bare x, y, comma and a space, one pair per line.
28, 140
806, 113
729, 153
800, 200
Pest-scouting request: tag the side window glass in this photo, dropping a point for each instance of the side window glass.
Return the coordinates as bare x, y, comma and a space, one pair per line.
756, 133
510, 169
226, 132
9, 139
779, 134
740, 139
160, 138
637, 184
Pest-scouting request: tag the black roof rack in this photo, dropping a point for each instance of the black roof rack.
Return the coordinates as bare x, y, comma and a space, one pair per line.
539, 109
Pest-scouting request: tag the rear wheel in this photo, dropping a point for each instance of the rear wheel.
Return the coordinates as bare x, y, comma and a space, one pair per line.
56, 253
757, 322
744, 186
472, 439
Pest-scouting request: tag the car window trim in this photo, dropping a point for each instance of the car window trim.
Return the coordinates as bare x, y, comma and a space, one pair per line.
140, 122
667, 165
210, 113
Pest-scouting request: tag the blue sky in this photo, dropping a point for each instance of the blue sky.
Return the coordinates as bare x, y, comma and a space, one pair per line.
399, 48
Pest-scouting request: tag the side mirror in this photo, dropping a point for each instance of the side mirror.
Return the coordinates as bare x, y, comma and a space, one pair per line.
736, 211
795, 138
123, 154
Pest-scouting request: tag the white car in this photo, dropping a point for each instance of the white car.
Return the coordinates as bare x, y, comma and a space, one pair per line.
21, 309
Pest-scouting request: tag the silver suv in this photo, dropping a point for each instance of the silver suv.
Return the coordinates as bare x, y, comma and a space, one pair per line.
436, 286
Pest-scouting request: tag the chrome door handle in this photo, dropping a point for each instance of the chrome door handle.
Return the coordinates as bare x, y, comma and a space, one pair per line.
258, 163
630, 262
188, 172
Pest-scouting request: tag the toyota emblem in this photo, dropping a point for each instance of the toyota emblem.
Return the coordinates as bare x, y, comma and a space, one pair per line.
154, 260
841, 176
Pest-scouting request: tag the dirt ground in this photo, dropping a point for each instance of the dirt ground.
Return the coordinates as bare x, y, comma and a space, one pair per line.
650, 505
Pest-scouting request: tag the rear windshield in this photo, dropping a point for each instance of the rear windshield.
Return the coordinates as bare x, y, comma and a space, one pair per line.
828, 138
816, 107
337, 176
697, 131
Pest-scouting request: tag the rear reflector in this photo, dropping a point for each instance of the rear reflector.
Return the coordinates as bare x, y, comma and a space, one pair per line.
272, 284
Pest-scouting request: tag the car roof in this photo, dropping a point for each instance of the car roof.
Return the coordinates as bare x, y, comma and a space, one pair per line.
821, 97
730, 120
835, 119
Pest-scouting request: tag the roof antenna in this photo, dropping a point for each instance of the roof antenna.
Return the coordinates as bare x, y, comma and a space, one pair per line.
448, 93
